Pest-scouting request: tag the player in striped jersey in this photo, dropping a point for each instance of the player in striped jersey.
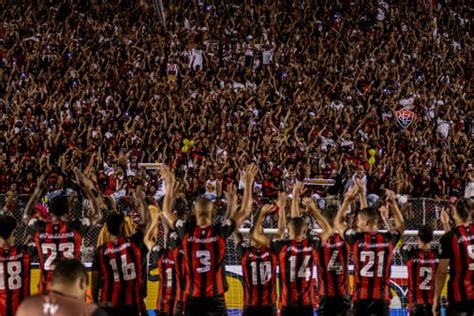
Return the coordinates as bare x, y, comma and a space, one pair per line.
170, 264
421, 263
259, 269
204, 245
372, 252
457, 253
119, 268
295, 255
14, 268
59, 237
333, 274
169, 261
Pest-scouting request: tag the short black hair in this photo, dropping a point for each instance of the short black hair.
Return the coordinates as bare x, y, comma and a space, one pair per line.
330, 214
114, 223
7, 226
463, 209
298, 224
425, 233
59, 205
68, 271
371, 213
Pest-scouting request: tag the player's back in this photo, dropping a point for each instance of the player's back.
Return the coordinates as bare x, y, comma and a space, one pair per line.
421, 266
373, 253
57, 305
204, 252
14, 278
295, 259
332, 266
170, 287
121, 263
259, 273
56, 241
458, 246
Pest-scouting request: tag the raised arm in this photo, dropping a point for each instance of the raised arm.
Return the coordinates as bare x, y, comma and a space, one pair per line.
231, 198
148, 221
444, 216
281, 204
28, 213
320, 219
298, 191
91, 194
362, 193
385, 214
169, 179
258, 236
247, 200
339, 222
399, 222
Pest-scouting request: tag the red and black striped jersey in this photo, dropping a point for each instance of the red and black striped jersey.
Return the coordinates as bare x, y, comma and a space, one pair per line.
296, 260
122, 265
332, 267
372, 254
178, 255
458, 246
169, 284
421, 267
204, 252
259, 273
14, 278
55, 241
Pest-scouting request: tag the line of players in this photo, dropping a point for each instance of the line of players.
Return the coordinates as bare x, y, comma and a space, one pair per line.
192, 262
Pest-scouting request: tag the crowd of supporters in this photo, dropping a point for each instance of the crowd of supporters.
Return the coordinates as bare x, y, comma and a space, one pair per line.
306, 89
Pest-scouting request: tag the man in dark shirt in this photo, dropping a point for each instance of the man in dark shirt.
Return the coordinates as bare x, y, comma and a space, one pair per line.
66, 296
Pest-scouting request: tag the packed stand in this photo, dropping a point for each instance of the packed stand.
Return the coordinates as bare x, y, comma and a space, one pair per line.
307, 89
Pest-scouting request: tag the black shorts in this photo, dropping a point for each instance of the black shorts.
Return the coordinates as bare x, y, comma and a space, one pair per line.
207, 306
334, 306
422, 310
260, 310
133, 310
300, 311
461, 309
371, 308
176, 311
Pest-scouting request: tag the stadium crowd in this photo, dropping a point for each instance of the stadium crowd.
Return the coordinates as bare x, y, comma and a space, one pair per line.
307, 89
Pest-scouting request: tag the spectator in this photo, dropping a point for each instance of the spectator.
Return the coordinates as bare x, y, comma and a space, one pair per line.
304, 90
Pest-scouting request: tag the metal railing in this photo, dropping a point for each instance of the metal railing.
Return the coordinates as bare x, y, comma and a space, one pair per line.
416, 212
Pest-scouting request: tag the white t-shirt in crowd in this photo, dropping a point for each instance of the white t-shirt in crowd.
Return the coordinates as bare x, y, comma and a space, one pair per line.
267, 57
443, 127
195, 59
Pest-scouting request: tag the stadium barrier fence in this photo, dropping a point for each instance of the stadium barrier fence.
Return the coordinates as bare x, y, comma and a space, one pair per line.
416, 212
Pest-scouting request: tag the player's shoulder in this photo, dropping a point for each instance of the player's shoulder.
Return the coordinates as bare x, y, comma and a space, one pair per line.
352, 234
30, 305
187, 226
448, 236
